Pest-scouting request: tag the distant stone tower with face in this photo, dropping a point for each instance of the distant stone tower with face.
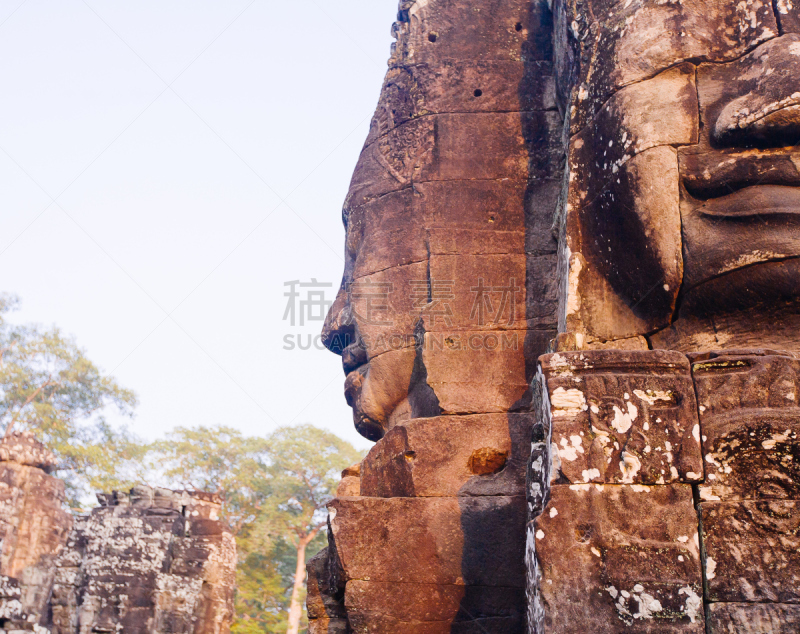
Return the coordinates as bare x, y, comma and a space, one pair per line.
615, 184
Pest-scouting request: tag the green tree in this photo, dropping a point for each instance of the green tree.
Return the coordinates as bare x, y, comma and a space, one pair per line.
49, 387
220, 460
304, 472
276, 490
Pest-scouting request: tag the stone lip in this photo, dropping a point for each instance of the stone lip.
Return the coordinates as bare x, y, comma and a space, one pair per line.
23, 448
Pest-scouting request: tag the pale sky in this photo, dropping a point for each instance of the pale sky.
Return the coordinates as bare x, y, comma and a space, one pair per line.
165, 166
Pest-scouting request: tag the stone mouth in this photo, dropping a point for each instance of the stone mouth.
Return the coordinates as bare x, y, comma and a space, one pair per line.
722, 174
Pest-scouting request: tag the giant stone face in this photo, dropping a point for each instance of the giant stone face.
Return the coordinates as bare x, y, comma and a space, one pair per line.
682, 220
450, 262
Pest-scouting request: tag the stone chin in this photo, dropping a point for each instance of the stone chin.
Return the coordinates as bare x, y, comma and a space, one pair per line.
378, 392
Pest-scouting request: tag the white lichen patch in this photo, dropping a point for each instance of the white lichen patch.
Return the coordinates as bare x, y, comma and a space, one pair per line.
653, 396
574, 298
566, 403
711, 567
693, 608
569, 449
629, 466
591, 474
623, 421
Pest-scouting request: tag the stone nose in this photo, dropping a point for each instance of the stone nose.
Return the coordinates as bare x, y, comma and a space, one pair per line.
338, 332
763, 106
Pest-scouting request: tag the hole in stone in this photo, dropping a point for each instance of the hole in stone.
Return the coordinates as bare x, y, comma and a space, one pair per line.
487, 460
432, 37
518, 26
478, 92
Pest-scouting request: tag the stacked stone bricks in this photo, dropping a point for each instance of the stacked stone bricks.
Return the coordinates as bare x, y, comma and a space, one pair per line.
456, 187
152, 561
632, 530
33, 527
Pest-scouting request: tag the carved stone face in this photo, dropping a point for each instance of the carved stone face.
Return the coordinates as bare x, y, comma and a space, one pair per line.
444, 286
683, 216
741, 184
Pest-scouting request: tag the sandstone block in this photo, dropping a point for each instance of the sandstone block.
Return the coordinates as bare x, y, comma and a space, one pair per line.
377, 607
612, 45
477, 371
496, 205
752, 618
491, 146
616, 558
751, 455
454, 86
486, 291
434, 31
621, 417
750, 551
750, 419
624, 242
467, 242
443, 541
482, 454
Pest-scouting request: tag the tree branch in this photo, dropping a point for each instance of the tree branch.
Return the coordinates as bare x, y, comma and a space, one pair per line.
29, 400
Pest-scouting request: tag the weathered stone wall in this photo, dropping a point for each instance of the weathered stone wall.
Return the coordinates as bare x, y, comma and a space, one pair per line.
33, 528
660, 483
153, 560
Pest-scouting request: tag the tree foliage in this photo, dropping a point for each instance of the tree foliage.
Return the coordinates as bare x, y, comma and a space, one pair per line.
49, 387
275, 489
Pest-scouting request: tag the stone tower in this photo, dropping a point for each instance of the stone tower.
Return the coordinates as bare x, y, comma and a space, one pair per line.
569, 319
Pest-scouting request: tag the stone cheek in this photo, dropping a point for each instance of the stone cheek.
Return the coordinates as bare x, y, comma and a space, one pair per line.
621, 246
